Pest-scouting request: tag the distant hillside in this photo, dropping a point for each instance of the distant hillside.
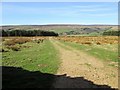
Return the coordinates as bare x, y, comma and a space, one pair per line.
67, 29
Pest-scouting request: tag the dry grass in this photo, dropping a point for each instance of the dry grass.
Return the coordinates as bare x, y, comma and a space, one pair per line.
100, 40
14, 41
14, 48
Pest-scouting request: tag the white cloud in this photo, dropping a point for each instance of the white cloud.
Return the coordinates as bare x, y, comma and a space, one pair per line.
95, 9
104, 15
67, 12
87, 6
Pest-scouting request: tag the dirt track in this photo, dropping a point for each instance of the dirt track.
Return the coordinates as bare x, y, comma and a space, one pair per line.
75, 63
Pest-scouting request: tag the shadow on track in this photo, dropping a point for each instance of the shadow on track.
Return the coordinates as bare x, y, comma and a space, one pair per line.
16, 77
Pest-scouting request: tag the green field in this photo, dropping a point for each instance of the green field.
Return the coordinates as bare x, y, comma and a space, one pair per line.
60, 30
39, 57
42, 57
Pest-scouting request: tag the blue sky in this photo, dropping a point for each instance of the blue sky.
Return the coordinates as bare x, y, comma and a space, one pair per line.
27, 13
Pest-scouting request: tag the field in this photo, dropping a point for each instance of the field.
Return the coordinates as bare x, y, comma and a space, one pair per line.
96, 46
33, 55
64, 61
66, 29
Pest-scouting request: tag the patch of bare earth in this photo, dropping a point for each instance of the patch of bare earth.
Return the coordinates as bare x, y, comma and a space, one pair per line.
76, 63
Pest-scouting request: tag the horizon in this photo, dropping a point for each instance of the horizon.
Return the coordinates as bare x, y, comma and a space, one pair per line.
57, 24
42, 13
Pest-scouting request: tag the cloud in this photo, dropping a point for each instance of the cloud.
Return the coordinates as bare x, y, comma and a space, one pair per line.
70, 12
91, 8
104, 15
86, 6
75, 10
95, 9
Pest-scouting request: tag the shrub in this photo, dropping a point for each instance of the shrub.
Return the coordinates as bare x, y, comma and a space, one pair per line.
14, 48
21, 40
39, 41
17, 41
10, 42
2, 50
2, 38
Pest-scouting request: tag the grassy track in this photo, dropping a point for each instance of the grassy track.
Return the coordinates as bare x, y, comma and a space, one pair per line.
99, 52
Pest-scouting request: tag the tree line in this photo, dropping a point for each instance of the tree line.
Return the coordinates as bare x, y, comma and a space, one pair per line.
27, 33
111, 33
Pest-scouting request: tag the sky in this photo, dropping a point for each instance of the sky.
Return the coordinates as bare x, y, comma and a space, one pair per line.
40, 13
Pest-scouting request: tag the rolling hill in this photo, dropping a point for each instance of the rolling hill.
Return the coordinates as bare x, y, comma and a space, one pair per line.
65, 29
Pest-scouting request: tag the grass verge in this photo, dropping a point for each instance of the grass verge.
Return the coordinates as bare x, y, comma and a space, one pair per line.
27, 67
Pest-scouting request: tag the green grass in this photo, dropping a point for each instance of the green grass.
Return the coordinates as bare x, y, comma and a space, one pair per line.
40, 57
61, 30
32, 67
100, 53
0, 59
